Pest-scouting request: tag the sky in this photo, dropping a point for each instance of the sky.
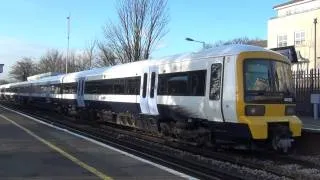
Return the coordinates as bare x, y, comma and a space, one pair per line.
28, 28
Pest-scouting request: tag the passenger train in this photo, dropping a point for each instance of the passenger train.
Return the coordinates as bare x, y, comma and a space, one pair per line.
235, 94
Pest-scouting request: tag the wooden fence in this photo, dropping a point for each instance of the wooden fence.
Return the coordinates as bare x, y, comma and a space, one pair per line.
306, 83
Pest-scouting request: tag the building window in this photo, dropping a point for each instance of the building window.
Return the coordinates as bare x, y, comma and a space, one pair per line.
282, 40
299, 38
288, 12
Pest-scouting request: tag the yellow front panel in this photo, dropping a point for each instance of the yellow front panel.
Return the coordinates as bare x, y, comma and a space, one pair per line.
258, 125
275, 110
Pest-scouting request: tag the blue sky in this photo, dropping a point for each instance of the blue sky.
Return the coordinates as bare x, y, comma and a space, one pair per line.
30, 27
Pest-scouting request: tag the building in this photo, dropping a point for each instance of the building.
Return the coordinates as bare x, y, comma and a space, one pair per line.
294, 24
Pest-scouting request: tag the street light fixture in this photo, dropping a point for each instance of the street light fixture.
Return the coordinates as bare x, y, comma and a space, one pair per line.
315, 21
203, 43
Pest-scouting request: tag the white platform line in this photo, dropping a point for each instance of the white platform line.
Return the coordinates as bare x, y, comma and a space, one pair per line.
105, 145
312, 129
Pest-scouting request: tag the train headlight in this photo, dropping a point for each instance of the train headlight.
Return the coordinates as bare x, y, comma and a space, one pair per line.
255, 110
290, 110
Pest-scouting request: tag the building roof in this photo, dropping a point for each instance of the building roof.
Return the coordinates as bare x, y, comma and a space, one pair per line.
287, 3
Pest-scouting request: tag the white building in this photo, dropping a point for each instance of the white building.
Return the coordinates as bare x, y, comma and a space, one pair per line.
294, 25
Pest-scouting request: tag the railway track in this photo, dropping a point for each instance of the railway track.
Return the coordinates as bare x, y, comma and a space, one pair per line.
199, 162
142, 150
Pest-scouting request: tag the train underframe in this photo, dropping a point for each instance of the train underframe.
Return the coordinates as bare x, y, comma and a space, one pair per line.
197, 132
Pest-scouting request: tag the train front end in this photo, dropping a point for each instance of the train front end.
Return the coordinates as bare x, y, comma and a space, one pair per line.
266, 99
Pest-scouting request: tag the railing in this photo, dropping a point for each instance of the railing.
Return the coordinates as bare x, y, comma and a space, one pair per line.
306, 83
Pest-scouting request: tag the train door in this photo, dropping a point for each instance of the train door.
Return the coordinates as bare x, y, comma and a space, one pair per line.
80, 92
148, 92
214, 94
143, 92
152, 89
47, 92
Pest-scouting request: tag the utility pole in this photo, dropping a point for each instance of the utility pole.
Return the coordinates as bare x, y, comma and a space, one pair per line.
315, 42
68, 37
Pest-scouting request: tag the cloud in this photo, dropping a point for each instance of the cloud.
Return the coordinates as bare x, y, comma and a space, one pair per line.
13, 49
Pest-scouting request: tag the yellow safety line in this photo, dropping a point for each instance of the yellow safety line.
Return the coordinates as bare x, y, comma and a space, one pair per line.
62, 152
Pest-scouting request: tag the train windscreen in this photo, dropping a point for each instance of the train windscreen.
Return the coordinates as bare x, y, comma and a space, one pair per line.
268, 81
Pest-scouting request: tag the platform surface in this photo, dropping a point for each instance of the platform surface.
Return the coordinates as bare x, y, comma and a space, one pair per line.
310, 124
31, 150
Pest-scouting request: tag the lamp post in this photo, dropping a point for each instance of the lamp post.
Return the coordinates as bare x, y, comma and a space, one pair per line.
315, 21
68, 37
203, 43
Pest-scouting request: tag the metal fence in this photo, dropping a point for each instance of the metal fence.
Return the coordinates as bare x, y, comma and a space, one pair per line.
306, 83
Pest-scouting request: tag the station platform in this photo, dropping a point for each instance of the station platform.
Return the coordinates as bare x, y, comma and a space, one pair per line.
310, 124
33, 150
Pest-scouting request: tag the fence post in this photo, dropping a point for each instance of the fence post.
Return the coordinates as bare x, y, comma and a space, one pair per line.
311, 77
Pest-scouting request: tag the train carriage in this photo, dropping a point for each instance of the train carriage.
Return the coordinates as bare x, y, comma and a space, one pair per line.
230, 94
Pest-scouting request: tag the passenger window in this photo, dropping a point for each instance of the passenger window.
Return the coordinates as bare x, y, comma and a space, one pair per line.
162, 84
118, 86
144, 91
105, 86
198, 83
178, 84
190, 83
215, 82
91, 88
133, 86
153, 79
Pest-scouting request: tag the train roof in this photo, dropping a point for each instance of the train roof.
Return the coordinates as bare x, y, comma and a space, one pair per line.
100, 72
72, 77
129, 69
228, 50
224, 50
47, 80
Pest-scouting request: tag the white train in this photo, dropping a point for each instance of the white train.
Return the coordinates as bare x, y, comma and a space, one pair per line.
235, 93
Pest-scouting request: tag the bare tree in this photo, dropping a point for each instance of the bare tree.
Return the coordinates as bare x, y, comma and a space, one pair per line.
242, 40
81, 63
85, 60
105, 56
3, 81
142, 24
52, 61
90, 53
259, 42
22, 69
73, 62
